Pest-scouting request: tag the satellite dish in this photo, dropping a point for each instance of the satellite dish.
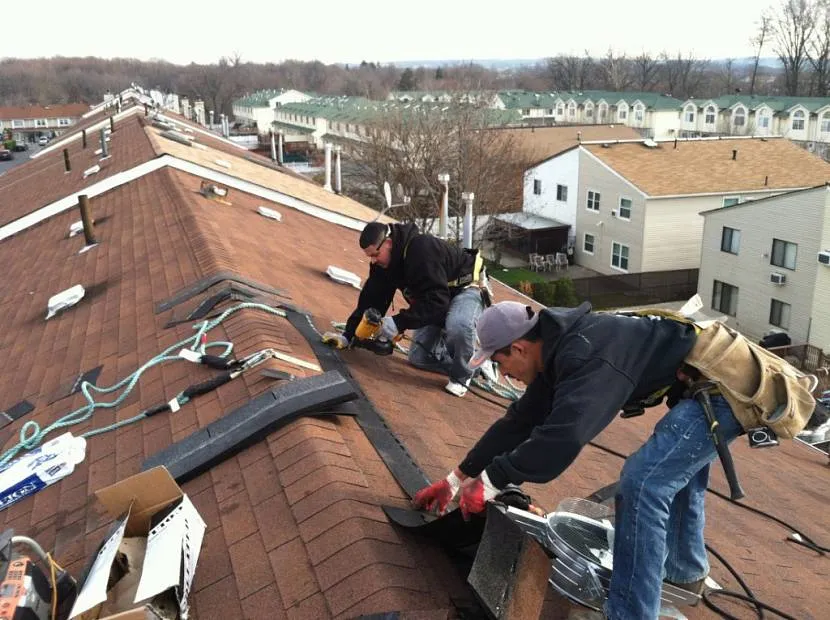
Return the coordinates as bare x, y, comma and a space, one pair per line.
387, 193
399, 191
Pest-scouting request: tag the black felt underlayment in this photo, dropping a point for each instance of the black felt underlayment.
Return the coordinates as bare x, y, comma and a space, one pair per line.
248, 424
205, 283
394, 454
15, 412
69, 388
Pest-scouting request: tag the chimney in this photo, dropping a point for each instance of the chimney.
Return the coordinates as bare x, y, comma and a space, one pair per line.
327, 185
579, 137
83, 138
104, 148
279, 148
86, 218
66, 163
112, 123
467, 239
675, 143
273, 146
734, 154
766, 180
338, 179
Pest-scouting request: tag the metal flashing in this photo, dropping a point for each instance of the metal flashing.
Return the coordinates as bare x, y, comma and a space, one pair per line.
15, 412
248, 424
205, 283
74, 386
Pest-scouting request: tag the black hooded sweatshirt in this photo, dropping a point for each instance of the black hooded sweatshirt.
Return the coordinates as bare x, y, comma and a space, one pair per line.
421, 266
594, 364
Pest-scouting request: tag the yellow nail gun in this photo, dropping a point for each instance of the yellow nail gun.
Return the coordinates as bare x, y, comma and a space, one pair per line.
366, 334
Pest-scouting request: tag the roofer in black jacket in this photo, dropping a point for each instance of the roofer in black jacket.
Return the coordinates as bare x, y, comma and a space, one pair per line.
581, 369
437, 280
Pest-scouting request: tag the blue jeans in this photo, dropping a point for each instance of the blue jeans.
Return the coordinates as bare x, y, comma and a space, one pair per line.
660, 510
448, 349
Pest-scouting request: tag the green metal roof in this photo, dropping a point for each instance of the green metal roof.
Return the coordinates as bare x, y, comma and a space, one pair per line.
778, 105
523, 99
288, 127
259, 99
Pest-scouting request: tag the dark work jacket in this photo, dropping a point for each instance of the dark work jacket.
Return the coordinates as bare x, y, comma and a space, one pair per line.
421, 267
594, 364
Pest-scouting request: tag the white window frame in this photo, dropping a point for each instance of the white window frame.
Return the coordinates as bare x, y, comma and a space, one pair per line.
564, 191
763, 119
729, 199
622, 112
64, 122
41, 122
560, 109
537, 185
783, 309
571, 110
639, 113
735, 115
719, 298
689, 114
18, 124
824, 122
710, 109
798, 116
620, 207
620, 256
589, 110
585, 243
784, 262
597, 200
734, 240
602, 112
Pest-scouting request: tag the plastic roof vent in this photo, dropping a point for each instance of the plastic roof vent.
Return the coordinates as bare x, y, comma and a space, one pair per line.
76, 229
270, 213
64, 299
344, 277
90, 171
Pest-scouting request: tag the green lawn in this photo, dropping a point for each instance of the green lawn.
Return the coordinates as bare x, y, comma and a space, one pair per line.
514, 275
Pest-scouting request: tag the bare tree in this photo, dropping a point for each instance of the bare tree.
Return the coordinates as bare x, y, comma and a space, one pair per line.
764, 30
794, 25
646, 71
569, 72
727, 76
616, 71
819, 51
682, 75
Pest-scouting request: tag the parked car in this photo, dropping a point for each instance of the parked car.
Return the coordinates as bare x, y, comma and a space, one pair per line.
6, 155
43, 141
21, 146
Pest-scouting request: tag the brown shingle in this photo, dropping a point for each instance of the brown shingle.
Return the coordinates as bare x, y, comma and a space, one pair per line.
540, 143
707, 166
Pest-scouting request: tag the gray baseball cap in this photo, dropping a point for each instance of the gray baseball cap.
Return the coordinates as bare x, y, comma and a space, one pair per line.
500, 325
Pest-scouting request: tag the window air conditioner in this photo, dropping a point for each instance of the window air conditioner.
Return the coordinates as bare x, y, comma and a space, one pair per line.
613, 213
824, 258
777, 278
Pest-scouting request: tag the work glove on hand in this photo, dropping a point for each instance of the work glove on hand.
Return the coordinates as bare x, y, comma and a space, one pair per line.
388, 329
336, 340
475, 493
438, 494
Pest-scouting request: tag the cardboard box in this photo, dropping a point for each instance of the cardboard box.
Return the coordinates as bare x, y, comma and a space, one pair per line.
151, 505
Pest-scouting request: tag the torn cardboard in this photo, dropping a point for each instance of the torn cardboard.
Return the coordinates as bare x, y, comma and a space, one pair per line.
150, 506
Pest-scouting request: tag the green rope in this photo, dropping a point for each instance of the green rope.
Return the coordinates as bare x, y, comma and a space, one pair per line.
31, 435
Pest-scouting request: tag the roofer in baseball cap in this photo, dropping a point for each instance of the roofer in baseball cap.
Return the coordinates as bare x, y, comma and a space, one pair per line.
580, 369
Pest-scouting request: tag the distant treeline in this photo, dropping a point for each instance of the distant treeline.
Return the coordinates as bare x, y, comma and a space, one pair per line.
46, 81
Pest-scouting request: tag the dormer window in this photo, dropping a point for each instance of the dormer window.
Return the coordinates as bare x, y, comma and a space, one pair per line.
825, 122
690, 114
589, 110
798, 120
622, 112
739, 118
571, 110
639, 113
709, 117
763, 119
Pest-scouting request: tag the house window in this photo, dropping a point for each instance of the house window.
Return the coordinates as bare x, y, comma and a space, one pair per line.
588, 244
763, 120
730, 240
798, 120
537, 186
560, 110
562, 192
690, 114
731, 200
825, 122
779, 314
619, 256
40, 122
625, 209
622, 112
64, 122
589, 111
639, 113
550, 111
572, 110
725, 298
526, 112
603, 111
709, 118
783, 254
739, 120
18, 124
593, 201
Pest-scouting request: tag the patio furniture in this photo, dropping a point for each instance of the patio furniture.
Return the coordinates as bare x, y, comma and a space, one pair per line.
537, 262
561, 261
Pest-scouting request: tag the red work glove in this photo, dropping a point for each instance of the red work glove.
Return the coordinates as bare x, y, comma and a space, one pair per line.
439, 494
475, 493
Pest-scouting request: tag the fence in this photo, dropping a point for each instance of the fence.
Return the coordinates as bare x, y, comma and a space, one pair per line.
804, 356
634, 289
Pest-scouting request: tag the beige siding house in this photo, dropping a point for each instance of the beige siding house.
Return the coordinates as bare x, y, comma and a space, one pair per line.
760, 265
639, 202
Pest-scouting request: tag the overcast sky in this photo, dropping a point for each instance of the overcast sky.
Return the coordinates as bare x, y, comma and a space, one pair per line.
383, 31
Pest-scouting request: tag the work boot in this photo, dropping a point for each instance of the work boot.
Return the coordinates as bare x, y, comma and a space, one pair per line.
695, 587
583, 613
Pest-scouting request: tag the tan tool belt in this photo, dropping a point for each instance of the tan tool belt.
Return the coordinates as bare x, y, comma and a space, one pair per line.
761, 388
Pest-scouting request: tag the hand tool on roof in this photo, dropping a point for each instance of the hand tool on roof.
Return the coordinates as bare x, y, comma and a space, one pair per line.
369, 334
30, 590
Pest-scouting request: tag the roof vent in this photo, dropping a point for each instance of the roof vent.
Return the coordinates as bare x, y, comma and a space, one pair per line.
90, 171
605, 145
64, 299
76, 229
650, 143
344, 277
269, 213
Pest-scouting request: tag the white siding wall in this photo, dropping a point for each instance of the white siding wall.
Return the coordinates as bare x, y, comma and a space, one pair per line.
820, 327
607, 229
560, 170
798, 217
666, 123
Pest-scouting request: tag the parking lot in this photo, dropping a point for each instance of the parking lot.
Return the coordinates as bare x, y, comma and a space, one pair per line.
20, 157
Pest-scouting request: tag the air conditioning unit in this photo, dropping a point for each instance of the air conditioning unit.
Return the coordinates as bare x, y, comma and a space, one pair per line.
824, 258
777, 278
613, 213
